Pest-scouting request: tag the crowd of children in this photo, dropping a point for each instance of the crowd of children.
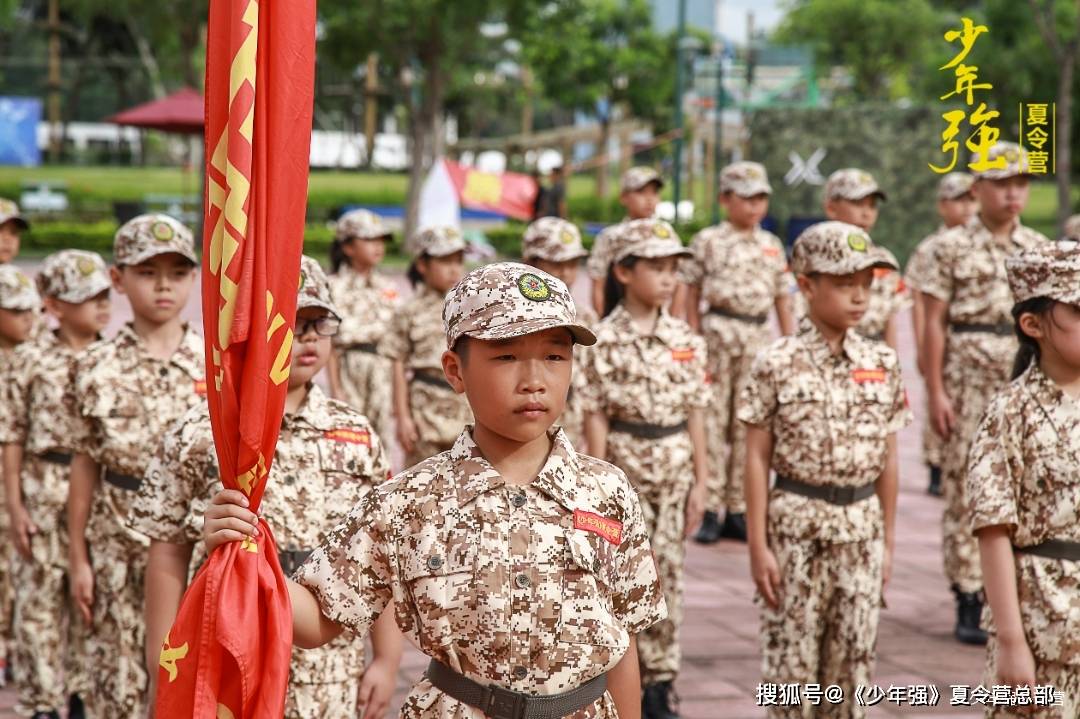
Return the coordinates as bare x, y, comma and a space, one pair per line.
557, 459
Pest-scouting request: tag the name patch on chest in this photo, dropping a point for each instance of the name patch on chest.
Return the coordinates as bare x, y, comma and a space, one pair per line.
771, 251
352, 436
682, 355
200, 387
609, 529
863, 376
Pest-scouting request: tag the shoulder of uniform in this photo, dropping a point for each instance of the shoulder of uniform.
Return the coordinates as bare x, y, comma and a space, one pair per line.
1031, 234
415, 486
342, 416
96, 358
877, 353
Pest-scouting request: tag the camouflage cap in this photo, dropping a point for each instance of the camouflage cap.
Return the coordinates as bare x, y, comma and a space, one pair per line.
362, 224
745, 179
1050, 269
73, 276
17, 292
1072, 227
1016, 162
954, 185
851, 184
314, 290
638, 177
438, 241
147, 236
9, 212
552, 239
509, 299
836, 248
648, 238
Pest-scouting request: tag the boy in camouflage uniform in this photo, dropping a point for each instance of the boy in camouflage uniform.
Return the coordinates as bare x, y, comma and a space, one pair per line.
525, 576
129, 390
969, 347
368, 301
554, 245
955, 205
19, 306
822, 409
741, 272
1023, 487
327, 458
12, 225
639, 193
37, 453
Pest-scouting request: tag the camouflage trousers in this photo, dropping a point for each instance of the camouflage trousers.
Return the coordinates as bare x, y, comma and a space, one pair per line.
7, 557
1065, 678
324, 682
49, 640
825, 629
439, 414
976, 368
366, 387
933, 446
662, 472
317, 701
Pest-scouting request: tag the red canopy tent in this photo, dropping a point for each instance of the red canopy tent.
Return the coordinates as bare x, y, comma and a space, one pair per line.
182, 112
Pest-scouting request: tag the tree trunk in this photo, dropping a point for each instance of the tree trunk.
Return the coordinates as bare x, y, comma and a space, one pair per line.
146, 56
602, 167
1063, 140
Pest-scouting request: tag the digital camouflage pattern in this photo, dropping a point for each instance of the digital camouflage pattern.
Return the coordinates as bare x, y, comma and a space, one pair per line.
126, 401
829, 416
968, 273
638, 177
146, 236
1072, 227
361, 224
745, 179
42, 418
649, 238
17, 292
438, 241
368, 305
657, 379
604, 246
314, 288
1051, 269
9, 212
1022, 475
327, 458
837, 248
73, 276
852, 183
563, 564
553, 239
888, 296
955, 185
509, 299
743, 273
573, 416
1015, 162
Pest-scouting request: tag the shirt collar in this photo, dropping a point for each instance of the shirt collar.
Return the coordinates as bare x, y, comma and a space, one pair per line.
188, 355
852, 346
313, 411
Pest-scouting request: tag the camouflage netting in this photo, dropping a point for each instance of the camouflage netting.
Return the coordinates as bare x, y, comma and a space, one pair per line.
893, 144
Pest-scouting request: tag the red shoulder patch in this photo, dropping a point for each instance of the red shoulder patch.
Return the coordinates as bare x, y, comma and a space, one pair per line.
771, 251
389, 294
200, 387
869, 375
882, 272
352, 436
609, 529
682, 355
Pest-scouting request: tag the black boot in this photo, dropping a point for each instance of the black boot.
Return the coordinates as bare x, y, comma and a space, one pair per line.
709, 532
968, 615
75, 707
935, 481
656, 701
734, 526
46, 715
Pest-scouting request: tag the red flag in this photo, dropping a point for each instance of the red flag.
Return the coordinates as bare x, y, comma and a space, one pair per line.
227, 655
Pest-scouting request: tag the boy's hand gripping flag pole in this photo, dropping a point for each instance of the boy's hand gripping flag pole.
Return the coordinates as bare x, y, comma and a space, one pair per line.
227, 655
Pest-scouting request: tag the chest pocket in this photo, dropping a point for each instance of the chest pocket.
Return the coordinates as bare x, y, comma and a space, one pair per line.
586, 615
872, 404
344, 459
980, 265
440, 579
801, 403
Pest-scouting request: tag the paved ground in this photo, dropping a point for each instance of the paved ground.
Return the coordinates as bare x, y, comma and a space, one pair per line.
915, 647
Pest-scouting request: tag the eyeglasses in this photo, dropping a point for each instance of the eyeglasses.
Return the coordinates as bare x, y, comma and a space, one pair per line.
323, 326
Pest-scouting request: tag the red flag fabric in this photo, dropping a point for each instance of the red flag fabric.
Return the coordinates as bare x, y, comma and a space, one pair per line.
227, 655
508, 193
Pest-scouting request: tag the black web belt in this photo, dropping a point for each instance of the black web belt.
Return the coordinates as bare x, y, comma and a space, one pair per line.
646, 431
123, 481
1054, 549
498, 703
1004, 329
840, 496
291, 559
55, 457
750, 319
432, 380
368, 347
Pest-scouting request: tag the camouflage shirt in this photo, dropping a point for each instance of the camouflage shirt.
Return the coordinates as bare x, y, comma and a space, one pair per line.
603, 251
888, 295
1023, 475
829, 416
741, 272
367, 303
921, 258
968, 272
38, 392
416, 335
535, 588
654, 378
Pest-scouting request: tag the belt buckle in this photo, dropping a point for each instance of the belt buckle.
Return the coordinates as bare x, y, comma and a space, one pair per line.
841, 495
503, 704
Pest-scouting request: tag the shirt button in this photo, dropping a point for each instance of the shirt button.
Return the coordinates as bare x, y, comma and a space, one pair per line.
522, 581
520, 672
434, 562
518, 500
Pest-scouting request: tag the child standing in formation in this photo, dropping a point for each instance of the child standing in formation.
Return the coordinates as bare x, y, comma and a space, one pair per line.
822, 409
327, 458
37, 434
358, 374
129, 390
639, 193
969, 345
428, 413
12, 225
19, 306
740, 272
956, 206
1023, 486
645, 400
528, 587
554, 245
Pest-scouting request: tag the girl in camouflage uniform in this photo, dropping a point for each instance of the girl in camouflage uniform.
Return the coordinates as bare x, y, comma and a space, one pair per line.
429, 414
1023, 486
